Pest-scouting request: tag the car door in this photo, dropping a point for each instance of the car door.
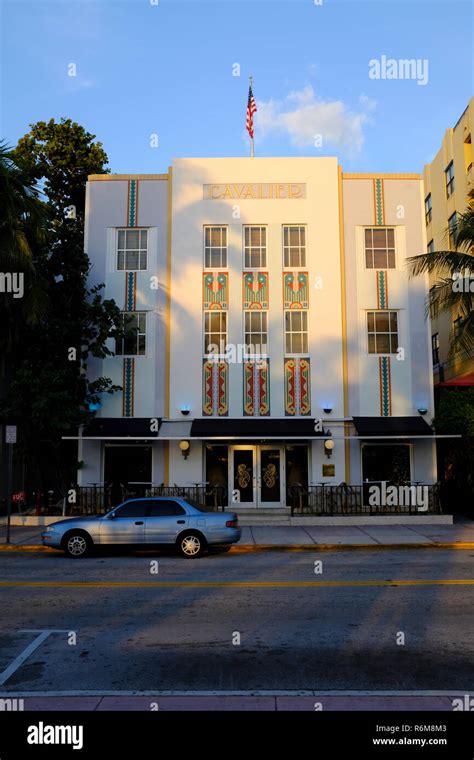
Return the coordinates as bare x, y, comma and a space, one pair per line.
127, 526
166, 518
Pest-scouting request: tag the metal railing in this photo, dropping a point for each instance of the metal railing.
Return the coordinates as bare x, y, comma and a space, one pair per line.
409, 498
98, 499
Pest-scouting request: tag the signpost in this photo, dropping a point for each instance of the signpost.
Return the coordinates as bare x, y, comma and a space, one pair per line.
10, 440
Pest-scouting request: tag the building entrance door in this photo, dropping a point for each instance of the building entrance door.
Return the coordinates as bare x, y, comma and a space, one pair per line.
256, 476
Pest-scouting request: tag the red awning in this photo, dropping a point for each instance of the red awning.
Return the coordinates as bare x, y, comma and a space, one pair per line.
464, 380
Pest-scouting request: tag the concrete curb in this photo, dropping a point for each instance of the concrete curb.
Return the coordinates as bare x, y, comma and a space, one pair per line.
250, 548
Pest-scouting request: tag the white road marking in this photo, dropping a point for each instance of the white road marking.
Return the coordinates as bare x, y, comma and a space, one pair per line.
18, 661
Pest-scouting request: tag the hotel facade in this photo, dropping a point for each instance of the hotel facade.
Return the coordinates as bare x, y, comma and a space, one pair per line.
273, 337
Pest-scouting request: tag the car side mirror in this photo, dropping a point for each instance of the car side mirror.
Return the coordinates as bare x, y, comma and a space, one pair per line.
112, 516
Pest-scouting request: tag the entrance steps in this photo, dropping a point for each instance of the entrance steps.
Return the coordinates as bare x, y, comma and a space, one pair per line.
271, 516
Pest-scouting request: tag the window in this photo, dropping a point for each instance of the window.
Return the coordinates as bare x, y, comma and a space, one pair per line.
255, 247
435, 348
294, 247
132, 509
430, 247
215, 332
457, 327
215, 247
164, 508
132, 246
468, 153
380, 248
256, 335
296, 332
382, 328
449, 174
433, 297
134, 341
428, 209
452, 228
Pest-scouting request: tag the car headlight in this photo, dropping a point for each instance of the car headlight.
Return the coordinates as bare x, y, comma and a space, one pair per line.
49, 528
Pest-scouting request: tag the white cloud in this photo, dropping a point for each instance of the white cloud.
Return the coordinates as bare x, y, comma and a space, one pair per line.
302, 116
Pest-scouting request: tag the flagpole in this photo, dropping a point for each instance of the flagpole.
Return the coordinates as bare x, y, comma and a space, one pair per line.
251, 139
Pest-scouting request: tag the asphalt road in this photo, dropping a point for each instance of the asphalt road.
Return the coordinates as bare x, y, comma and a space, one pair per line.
179, 629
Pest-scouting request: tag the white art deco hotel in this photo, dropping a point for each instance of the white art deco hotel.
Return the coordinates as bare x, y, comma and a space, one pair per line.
273, 337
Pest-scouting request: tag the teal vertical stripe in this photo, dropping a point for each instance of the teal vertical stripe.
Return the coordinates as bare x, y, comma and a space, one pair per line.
127, 389
378, 202
132, 204
130, 289
385, 386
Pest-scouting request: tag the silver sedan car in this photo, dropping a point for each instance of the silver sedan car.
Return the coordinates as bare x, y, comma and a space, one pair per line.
147, 522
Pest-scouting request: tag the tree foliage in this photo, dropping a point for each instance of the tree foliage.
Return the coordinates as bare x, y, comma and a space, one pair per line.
48, 392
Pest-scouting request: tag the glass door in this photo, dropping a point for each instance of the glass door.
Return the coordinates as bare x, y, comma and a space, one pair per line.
270, 476
242, 479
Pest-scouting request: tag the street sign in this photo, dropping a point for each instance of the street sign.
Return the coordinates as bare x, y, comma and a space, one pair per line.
18, 496
10, 433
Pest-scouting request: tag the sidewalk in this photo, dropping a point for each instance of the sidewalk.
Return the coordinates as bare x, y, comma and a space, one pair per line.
459, 535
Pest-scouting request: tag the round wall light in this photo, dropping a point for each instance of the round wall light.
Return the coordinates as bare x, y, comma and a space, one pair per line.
185, 447
328, 448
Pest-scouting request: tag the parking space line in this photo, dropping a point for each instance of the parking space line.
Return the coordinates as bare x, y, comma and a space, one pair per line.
18, 661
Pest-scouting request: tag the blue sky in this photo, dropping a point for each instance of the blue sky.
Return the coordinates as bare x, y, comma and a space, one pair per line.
167, 69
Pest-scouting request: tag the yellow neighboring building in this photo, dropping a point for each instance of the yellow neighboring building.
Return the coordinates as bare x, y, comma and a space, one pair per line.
449, 183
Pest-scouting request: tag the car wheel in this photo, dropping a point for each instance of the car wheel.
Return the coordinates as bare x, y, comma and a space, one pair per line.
191, 545
219, 549
77, 544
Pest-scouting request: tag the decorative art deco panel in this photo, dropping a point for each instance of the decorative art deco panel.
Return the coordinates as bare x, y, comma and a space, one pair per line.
255, 287
215, 290
297, 387
295, 290
215, 383
257, 388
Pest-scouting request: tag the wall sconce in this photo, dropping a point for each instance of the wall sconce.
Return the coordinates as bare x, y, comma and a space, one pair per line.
328, 447
327, 409
422, 410
185, 447
185, 410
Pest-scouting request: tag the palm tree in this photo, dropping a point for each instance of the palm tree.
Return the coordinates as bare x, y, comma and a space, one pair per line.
24, 221
455, 278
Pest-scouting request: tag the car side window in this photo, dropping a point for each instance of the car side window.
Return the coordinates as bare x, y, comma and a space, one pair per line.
165, 508
132, 509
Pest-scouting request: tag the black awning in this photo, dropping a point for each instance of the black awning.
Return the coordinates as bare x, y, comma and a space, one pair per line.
255, 427
388, 426
121, 427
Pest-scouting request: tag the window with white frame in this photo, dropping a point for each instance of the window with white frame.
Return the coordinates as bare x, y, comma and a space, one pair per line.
255, 247
435, 348
380, 248
296, 332
215, 332
132, 249
133, 343
382, 330
294, 246
256, 332
215, 247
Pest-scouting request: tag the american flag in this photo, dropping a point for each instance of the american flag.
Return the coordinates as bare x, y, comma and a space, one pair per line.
251, 108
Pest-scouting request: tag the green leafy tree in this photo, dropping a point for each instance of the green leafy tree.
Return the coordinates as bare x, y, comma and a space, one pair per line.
455, 416
49, 393
24, 221
455, 272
